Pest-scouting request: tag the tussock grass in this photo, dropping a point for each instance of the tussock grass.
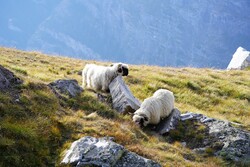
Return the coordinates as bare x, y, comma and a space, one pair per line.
36, 130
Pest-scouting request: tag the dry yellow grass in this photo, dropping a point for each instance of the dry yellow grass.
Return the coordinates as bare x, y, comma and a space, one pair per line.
216, 93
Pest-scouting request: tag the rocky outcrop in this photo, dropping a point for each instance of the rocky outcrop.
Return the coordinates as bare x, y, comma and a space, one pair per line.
223, 138
122, 99
90, 151
169, 122
8, 79
64, 87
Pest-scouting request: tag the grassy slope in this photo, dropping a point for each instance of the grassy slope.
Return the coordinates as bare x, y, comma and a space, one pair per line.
36, 130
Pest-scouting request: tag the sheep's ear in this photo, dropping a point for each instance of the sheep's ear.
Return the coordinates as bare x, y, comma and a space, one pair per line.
119, 68
145, 118
119, 65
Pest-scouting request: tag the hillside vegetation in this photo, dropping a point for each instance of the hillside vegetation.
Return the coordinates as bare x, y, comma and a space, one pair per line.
36, 130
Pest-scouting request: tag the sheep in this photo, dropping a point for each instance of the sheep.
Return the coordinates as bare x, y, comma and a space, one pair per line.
155, 108
98, 77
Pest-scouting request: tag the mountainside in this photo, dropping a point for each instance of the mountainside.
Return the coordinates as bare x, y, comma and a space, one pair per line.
36, 127
166, 33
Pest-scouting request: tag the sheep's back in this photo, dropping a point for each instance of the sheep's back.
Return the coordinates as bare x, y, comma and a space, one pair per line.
167, 101
152, 107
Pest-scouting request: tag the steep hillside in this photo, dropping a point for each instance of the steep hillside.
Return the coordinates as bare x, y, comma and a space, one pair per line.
36, 129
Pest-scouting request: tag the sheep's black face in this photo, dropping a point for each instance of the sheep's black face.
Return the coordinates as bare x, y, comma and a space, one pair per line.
124, 71
145, 121
139, 122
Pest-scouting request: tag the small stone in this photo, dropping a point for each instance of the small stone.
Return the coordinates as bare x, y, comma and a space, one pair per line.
186, 116
207, 120
198, 116
184, 144
92, 116
79, 72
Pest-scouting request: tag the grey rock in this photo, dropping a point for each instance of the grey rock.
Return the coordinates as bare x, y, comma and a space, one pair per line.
132, 159
204, 120
186, 116
190, 115
229, 142
169, 122
8, 79
63, 87
93, 151
122, 98
184, 144
90, 151
236, 142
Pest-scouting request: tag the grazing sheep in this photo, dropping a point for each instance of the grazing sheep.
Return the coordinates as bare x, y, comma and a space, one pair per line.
155, 108
98, 77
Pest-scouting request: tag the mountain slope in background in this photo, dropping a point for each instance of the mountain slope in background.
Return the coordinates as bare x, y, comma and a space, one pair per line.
166, 33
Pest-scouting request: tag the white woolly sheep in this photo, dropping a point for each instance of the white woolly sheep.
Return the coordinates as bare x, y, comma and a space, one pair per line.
98, 77
155, 108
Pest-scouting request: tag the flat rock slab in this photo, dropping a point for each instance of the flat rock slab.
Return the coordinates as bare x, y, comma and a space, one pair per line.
90, 151
169, 122
8, 79
229, 142
122, 98
63, 87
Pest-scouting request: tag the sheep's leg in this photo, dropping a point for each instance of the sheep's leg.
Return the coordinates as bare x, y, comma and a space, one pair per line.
105, 90
88, 82
83, 82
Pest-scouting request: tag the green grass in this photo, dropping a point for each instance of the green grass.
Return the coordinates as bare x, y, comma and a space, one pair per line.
19, 70
216, 93
36, 130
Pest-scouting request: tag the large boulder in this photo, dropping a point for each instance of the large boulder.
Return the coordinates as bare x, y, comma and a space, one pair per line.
240, 60
90, 151
66, 87
8, 79
122, 98
226, 140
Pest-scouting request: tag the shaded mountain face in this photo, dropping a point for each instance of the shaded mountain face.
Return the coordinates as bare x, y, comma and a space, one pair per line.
167, 33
